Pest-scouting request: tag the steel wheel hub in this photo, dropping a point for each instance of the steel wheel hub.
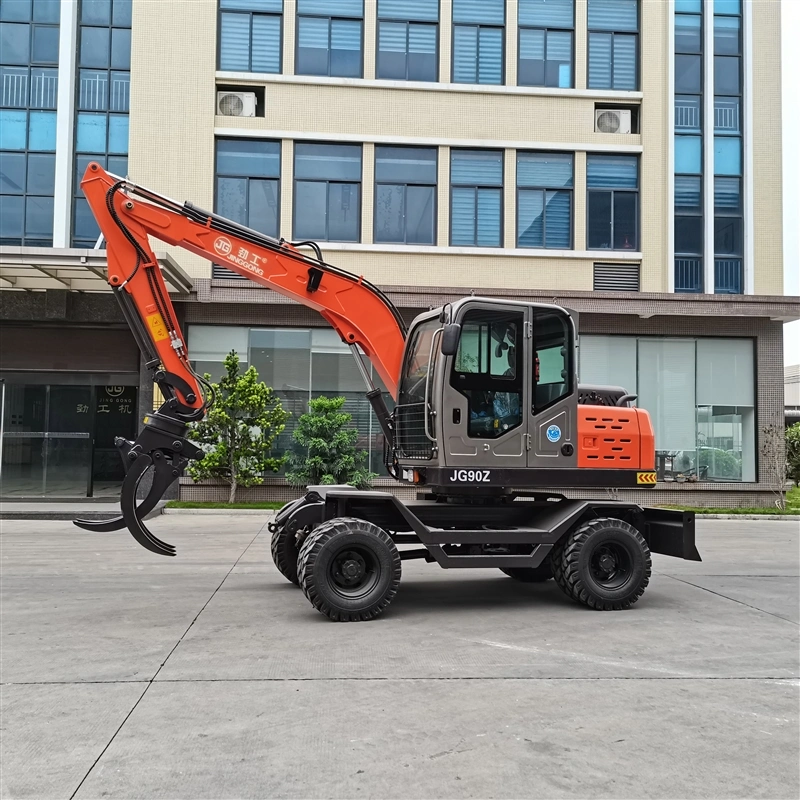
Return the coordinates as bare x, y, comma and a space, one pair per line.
611, 565
349, 569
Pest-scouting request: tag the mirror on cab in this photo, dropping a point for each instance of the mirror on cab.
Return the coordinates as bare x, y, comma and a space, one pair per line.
450, 337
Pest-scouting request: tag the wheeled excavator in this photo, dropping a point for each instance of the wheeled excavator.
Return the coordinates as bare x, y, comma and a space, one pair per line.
489, 424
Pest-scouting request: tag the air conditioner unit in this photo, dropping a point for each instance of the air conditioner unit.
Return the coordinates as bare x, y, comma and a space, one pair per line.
612, 120
236, 104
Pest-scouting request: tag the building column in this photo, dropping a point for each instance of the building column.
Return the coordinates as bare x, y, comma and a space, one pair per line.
289, 35
671, 147
287, 188
581, 43
65, 123
512, 40
445, 41
749, 255
708, 145
367, 192
579, 201
510, 199
443, 198
370, 39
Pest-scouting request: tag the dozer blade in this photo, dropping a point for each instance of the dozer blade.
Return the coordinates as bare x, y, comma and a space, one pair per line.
130, 516
162, 480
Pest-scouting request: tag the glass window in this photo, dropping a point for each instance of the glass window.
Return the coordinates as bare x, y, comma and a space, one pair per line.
727, 195
612, 183
91, 133
545, 55
121, 48
12, 173
727, 155
727, 36
552, 369
94, 51
247, 185
613, 44
405, 195
488, 371
476, 178
45, 44
688, 38
42, 130
330, 38
688, 74
96, 12
13, 129
727, 7
19, 10
688, 155
688, 194
478, 34
688, 6
688, 234
726, 75
41, 174
688, 113
544, 200
728, 236
408, 40
15, 43
11, 220
727, 115
250, 35
327, 203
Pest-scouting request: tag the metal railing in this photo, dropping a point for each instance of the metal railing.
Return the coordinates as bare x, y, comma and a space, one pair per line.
728, 276
411, 440
689, 275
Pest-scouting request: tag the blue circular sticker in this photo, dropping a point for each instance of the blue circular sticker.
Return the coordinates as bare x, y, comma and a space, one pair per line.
553, 433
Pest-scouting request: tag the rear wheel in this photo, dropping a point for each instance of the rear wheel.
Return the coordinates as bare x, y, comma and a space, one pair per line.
349, 569
284, 553
540, 574
604, 564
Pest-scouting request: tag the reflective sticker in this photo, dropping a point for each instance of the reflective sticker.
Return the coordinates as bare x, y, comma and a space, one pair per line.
553, 433
157, 328
646, 477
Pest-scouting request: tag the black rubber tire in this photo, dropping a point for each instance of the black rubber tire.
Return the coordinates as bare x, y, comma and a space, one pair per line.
540, 574
576, 576
285, 553
317, 569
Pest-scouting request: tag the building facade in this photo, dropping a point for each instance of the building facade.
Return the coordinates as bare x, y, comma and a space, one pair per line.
619, 157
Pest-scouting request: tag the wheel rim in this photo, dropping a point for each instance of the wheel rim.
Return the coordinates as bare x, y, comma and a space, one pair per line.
354, 572
611, 565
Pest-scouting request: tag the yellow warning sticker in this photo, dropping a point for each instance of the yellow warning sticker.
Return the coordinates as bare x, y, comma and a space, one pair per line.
158, 330
646, 477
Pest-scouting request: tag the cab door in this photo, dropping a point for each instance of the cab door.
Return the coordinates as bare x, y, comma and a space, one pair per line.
484, 391
554, 390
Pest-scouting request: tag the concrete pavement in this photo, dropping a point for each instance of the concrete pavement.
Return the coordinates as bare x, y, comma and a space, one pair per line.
128, 675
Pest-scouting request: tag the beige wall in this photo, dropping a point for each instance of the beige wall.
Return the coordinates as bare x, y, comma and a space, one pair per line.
173, 125
766, 146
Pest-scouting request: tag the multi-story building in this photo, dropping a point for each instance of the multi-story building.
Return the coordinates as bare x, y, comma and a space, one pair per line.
619, 157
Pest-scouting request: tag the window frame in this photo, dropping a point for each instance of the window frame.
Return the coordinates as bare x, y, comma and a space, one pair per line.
478, 26
612, 190
434, 186
637, 34
328, 182
547, 29
407, 23
330, 18
545, 189
477, 187
250, 14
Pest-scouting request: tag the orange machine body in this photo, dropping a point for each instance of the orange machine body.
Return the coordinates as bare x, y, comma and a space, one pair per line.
615, 438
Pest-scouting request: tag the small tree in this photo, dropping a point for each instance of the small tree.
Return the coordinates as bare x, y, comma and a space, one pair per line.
239, 430
793, 453
329, 448
773, 461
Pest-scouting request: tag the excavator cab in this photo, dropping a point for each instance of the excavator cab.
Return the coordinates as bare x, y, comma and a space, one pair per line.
488, 396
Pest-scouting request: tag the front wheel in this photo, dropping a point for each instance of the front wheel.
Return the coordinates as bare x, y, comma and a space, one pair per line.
349, 569
604, 564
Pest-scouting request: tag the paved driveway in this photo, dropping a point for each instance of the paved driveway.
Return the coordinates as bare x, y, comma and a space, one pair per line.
128, 675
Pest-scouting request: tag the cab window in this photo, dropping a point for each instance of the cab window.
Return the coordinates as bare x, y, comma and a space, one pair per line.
487, 370
552, 368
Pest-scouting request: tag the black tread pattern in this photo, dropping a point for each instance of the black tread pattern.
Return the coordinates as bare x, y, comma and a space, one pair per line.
341, 526
284, 554
566, 571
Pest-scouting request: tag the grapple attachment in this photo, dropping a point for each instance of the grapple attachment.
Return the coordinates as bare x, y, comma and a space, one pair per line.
162, 446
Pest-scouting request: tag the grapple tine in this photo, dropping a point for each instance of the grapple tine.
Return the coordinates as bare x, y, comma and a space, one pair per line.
162, 479
134, 524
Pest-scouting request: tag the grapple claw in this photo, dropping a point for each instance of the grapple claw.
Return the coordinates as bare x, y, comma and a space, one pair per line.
162, 480
130, 516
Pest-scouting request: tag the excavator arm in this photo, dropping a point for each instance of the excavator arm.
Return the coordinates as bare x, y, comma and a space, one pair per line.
128, 215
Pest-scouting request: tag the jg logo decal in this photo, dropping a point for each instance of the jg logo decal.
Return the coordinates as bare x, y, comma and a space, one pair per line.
553, 433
